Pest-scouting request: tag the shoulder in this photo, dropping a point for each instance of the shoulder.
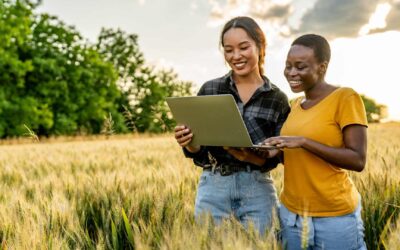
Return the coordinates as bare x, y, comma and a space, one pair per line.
279, 94
350, 108
346, 91
213, 86
277, 90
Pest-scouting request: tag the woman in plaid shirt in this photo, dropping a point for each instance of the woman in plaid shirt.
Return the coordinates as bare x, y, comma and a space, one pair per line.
237, 181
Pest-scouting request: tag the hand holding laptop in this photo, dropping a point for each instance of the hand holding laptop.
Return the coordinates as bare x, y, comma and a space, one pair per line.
183, 136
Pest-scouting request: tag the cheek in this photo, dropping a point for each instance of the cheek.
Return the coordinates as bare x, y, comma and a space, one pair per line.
227, 56
286, 72
255, 54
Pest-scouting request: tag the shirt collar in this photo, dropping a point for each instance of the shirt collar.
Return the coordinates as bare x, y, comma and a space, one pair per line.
265, 87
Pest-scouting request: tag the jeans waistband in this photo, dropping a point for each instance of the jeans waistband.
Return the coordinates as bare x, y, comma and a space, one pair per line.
229, 168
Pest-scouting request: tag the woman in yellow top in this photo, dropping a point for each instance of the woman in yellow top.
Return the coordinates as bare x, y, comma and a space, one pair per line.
324, 135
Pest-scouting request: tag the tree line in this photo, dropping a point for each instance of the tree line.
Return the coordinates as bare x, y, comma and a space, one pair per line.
55, 82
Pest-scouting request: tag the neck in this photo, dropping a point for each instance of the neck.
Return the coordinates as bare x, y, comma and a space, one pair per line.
317, 91
254, 78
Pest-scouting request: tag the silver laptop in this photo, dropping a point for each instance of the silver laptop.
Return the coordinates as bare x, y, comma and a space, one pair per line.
215, 120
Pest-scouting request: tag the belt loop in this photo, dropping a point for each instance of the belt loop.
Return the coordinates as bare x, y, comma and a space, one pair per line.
213, 169
248, 168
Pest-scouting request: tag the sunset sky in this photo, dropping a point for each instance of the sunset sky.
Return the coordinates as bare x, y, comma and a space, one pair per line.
183, 34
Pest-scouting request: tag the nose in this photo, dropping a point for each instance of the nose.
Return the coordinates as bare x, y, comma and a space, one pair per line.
236, 54
292, 71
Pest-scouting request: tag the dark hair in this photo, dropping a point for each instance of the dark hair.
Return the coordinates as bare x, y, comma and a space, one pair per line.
319, 44
253, 30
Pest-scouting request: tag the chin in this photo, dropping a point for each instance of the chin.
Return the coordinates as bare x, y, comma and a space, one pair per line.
296, 90
242, 72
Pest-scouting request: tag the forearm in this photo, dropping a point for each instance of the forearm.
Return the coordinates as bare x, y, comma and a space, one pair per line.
192, 149
259, 161
345, 158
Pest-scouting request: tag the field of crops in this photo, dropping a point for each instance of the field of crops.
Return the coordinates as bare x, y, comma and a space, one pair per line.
138, 192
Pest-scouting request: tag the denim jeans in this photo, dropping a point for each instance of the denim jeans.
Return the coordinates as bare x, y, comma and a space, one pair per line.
339, 232
248, 196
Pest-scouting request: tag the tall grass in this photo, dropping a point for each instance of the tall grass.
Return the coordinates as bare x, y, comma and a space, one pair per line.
138, 193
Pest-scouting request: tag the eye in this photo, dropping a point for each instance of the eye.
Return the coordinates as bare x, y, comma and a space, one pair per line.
301, 67
244, 48
227, 50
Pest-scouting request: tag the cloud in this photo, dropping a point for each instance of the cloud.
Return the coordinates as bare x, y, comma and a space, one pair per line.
392, 19
280, 12
332, 19
340, 18
263, 10
343, 18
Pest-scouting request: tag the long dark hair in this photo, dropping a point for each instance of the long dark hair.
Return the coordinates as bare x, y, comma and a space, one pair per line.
253, 30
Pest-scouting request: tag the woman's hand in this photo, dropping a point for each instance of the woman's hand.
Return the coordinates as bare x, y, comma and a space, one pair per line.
183, 136
285, 141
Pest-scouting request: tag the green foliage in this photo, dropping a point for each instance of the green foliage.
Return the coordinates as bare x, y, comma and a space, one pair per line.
56, 83
375, 112
144, 89
51, 79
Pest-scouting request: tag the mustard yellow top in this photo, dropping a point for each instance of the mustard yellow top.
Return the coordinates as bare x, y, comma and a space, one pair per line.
313, 186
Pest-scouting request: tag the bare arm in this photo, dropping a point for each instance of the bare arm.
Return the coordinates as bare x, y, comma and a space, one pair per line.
352, 156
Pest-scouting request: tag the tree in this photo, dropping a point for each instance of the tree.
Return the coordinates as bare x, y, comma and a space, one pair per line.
54, 82
375, 112
51, 79
15, 25
144, 89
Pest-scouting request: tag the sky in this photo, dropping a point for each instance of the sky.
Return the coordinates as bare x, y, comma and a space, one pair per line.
184, 35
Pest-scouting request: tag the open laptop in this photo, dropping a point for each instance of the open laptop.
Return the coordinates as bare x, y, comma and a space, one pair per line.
215, 120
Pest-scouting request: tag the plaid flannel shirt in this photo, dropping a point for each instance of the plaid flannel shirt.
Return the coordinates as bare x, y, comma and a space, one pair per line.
263, 115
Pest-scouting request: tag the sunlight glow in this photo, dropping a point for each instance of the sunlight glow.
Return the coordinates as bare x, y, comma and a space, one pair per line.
369, 65
377, 19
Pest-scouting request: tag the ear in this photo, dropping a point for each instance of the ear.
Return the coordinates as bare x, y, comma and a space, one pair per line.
322, 68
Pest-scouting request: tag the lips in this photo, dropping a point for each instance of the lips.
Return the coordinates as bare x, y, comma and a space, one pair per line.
295, 84
239, 65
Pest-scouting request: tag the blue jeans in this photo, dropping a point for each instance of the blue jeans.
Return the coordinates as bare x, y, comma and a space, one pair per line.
339, 232
248, 196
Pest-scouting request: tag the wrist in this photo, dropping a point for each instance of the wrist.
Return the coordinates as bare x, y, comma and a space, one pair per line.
192, 149
303, 142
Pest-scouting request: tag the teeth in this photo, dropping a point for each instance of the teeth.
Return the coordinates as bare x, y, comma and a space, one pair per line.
239, 64
295, 82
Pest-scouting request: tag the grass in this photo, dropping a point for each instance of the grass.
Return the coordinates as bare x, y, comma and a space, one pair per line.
138, 193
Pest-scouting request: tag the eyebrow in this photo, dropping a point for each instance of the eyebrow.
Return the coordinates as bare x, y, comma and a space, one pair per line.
241, 43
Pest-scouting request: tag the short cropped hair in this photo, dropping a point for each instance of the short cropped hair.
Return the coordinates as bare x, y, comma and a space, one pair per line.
318, 44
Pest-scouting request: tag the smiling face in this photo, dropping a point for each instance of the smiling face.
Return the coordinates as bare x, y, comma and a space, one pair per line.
240, 52
303, 71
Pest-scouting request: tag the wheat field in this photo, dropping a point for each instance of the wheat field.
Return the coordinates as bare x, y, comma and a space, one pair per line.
137, 192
